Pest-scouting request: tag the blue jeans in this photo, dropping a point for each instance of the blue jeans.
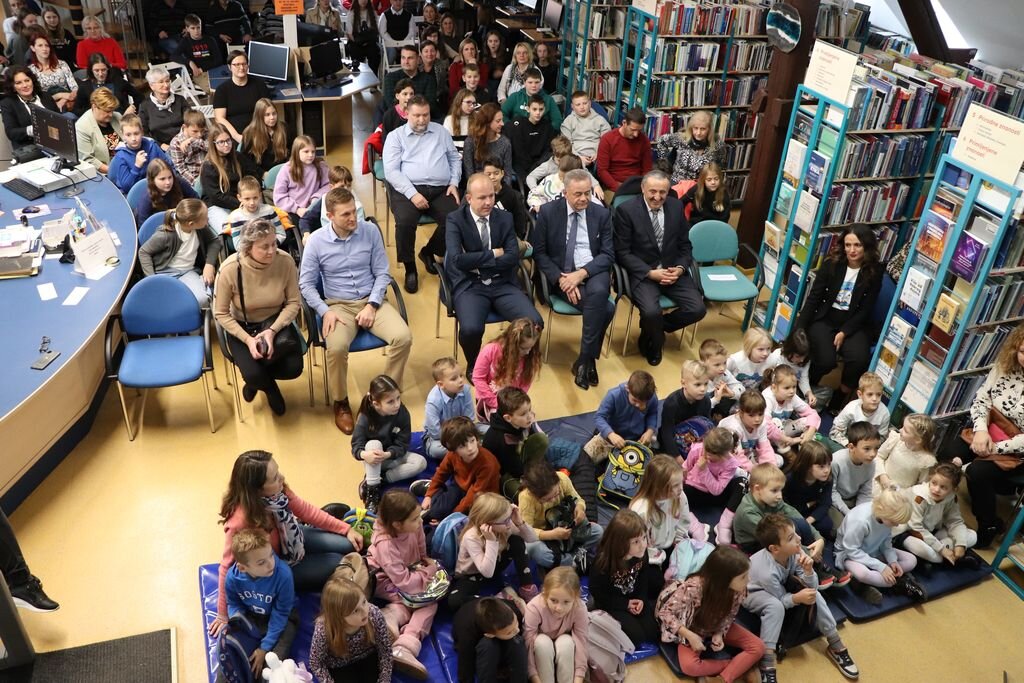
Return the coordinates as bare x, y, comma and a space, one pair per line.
541, 553
324, 550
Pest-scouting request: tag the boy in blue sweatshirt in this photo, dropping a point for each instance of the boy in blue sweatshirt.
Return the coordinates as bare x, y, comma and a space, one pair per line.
134, 154
259, 587
628, 412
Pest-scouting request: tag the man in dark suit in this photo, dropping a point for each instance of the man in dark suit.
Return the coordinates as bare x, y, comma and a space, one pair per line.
652, 243
481, 259
572, 246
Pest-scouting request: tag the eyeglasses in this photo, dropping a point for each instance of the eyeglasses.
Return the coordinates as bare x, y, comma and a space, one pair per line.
239, 63
222, 142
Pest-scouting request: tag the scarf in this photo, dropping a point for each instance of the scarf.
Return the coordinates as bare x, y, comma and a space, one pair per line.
166, 105
520, 76
699, 144
292, 548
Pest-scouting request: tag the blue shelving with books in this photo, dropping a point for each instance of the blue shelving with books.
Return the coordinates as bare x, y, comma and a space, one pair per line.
960, 294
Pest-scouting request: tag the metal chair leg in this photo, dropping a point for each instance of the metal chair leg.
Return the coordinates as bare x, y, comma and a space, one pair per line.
209, 405
629, 324
547, 345
437, 320
327, 384
309, 375
238, 399
124, 410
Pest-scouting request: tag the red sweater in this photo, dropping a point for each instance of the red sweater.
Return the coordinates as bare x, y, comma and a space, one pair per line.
619, 158
479, 476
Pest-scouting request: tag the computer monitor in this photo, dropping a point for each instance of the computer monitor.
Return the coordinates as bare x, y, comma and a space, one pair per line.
268, 61
325, 58
55, 133
552, 15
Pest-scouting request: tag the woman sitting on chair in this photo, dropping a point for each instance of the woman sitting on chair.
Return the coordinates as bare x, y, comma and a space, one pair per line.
163, 112
257, 284
21, 92
99, 74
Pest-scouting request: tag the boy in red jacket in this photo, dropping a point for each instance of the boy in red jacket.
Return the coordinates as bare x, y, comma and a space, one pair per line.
470, 468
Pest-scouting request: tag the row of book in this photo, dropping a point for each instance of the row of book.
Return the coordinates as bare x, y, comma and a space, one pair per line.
890, 42
866, 202
836, 21
703, 92
607, 24
604, 55
700, 18
957, 395
874, 156
880, 99
1000, 301
604, 87
736, 185
979, 351
741, 55
738, 156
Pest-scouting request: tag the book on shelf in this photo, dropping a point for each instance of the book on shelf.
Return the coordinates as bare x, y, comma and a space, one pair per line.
932, 242
793, 284
968, 257
784, 205
946, 310
817, 171
793, 166
915, 288
922, 381
773, 236
806, 211
888, 362
932, 352
899, 334
783, 320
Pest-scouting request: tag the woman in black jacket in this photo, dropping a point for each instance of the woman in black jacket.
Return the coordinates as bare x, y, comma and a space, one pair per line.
21, 90
99, 74
835, 312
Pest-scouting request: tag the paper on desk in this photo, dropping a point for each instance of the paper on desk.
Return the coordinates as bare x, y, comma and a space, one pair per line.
290, 92
55, 255
727, 277
98, 272
75, 296
47, 291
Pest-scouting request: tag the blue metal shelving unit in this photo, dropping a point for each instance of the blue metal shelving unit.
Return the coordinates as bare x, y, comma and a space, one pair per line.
638, 51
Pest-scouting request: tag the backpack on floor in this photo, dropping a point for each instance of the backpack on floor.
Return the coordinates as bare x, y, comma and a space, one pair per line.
239, 640
691, 431
444, 545
362, 521
623, 473
608, 647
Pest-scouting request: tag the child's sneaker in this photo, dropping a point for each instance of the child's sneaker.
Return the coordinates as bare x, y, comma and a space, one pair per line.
869, 594
419, 487
842, 577
968, 562
408, 664
769, 676
581, 562
844, 661
909, 586
825, 578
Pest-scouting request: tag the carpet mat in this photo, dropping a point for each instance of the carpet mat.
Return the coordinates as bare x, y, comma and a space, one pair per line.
150, 657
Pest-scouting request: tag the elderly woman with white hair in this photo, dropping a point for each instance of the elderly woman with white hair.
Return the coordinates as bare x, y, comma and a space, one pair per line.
256, 302
694, 147
97, 40
162, 112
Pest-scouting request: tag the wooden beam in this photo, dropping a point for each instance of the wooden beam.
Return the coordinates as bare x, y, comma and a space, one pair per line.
926, 31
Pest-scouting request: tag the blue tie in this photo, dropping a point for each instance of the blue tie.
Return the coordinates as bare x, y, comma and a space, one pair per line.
570, 244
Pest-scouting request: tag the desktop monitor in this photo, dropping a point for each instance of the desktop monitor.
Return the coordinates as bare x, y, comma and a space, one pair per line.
268, 61
325, 58
55, 133
552, 15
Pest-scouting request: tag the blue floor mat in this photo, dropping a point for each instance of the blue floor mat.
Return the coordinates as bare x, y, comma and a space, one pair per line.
943, 579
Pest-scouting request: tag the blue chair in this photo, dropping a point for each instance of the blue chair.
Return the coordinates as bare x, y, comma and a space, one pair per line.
150, 226
271, 177
444, 296
715, 241
158, 323
135, 194
557, 304
618, 200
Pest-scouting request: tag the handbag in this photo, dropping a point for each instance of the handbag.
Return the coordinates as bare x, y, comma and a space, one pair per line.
1000, 428
353, 567
286, 341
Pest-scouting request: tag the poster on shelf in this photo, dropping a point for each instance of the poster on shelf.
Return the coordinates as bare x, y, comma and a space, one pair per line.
830, 71
991, 142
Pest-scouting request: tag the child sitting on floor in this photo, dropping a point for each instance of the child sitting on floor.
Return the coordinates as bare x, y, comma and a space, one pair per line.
700, 615
682, 404
867, 407
809, 486
853, 468
623, 582
748, 365
451, 396
796, 353
780, 562
260, 589
723, 387
905, 458
511, 360
936, 531
711, 479
465, 472
514, 438
557, 627
398, 557
793, 421
380, 440
864, 548
489, 643
628, 412
748, 423
351, 640
550, 504
494, 535
662, 505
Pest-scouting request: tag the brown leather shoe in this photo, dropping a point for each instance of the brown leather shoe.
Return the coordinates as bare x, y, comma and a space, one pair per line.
343, 417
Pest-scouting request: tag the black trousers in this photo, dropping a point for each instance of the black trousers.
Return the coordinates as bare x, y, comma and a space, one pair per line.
261, 374
493, 656
984, 480
469, 587
639, 628
856, 350
653, 323
598, 311
369, 53
473, 305
12, 562
407, 217
366, 669
730, 497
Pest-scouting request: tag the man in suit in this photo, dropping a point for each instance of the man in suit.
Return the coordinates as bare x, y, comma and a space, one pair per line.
481, 259
572, 246
652, 244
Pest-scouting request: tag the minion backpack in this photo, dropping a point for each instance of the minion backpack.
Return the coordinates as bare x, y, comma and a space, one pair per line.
621, 479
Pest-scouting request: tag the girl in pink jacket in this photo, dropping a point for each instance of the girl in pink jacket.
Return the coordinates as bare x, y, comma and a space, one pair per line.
557, 628
712, 477
511, 360
302, 180
398, 555
311, 541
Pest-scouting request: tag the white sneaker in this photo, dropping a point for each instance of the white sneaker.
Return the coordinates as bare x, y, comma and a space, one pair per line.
405, 662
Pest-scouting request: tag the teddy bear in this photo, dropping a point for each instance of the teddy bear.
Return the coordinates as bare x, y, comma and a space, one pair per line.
277, 671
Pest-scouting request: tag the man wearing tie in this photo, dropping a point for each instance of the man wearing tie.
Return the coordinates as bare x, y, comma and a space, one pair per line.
572, 246
652, 244
481, 259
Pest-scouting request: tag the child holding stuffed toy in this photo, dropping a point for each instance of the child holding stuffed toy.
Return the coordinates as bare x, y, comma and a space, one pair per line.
351, 641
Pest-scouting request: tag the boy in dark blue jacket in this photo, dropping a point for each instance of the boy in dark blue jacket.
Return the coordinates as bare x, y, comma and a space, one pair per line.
628, 412
260, 588
132, 157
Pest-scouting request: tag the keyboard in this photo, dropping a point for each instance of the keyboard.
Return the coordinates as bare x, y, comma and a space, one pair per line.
24, 188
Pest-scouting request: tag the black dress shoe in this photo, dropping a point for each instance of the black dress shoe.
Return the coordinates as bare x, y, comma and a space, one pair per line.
592, 378
428, 261
654, 357
412, 281
579, 373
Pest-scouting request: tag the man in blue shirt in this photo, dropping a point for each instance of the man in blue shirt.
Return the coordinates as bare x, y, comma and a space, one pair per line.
344, 277
423, 170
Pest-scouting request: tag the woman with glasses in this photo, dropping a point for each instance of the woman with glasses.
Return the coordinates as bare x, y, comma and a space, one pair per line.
234, 101
99, 130
163, 112
97, 40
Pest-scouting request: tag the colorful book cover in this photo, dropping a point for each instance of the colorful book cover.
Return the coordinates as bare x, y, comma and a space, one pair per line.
888, 359
817, 171
932, 241
793, 166
968, 257
915, 288
772, 236
945, 313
